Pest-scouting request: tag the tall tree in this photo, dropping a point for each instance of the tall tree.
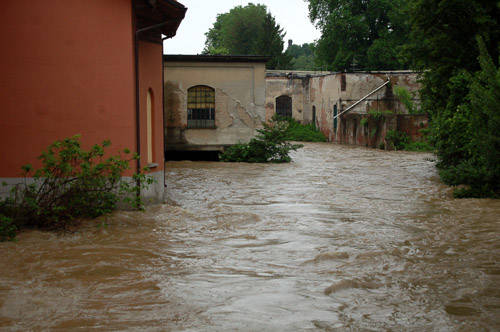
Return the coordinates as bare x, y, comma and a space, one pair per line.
459, 91
248, 30
302, 56
360, 34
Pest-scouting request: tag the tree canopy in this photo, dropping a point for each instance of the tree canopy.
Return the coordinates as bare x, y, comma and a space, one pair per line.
360, 34
455, 45
248, 30
302, 56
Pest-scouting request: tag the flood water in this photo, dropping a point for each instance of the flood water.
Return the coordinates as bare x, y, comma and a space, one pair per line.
342, 238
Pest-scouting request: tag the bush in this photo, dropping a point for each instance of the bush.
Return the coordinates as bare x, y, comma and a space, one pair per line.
396, 140
468, 136
72, 183
418, 146
7, 228
269, 145
300, 132
406, 98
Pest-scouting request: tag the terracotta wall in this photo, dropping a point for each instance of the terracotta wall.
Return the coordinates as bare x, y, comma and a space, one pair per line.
150, 78
66, 68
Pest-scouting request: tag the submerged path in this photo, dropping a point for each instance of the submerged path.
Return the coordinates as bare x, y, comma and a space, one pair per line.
341, 238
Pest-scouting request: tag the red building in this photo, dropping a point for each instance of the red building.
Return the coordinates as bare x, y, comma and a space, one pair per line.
89, 67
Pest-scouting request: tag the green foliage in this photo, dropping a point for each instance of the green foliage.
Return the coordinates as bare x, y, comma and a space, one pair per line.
423, 146
7, 228
460, 93
360, 34
248, 30
406, 98
378, 115
363, 122
396, 140
72, 183
302, 57
476, 164
269, 145
300, 132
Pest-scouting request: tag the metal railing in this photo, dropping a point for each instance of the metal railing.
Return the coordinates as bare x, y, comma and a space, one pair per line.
359, 101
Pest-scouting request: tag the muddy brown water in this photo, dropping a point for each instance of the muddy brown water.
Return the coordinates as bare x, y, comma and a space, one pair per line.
342, 238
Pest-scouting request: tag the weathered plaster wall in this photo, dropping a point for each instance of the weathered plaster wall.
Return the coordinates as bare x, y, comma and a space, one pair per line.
239, 103
293, 87
359, 85
324, 91
324, 95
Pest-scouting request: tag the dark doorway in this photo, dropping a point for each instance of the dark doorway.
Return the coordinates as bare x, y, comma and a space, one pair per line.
284, 106
314, 116
335, 118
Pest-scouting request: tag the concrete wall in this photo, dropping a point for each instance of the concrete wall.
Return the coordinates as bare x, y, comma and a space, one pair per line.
239, 103
287, 85
323, 91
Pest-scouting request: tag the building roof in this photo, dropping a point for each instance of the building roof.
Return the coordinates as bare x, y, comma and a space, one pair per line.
157, 17
215, 58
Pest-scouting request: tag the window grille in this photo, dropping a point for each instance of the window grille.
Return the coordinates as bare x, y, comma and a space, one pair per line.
284, 106
201, 107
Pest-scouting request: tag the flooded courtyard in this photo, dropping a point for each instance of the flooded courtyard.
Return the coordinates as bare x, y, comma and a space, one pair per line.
342, 238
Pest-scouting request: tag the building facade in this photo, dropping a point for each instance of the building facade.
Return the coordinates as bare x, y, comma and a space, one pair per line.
337, 103
92, 68
212, 101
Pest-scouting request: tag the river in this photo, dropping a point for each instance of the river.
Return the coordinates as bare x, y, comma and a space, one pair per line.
342, 238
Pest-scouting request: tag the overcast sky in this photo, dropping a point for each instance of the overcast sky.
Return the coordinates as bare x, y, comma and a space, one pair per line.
291, 15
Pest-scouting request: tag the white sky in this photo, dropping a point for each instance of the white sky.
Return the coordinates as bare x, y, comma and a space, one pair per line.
291, 15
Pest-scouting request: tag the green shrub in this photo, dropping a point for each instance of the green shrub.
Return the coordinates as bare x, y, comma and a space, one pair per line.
406, 98
467, 131
396, 140
72, 183
7, 228
418, 146
300, 132
270, 145
378, 115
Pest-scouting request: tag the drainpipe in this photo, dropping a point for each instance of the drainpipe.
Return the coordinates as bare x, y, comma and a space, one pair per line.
359, 101
163, 106
137, 93
137, 104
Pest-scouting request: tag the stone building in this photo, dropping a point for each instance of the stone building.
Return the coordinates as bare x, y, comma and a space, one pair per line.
337, 103
212, 101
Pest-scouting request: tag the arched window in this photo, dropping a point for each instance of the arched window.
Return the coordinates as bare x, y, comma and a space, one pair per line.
284, 106
201, 107
149, 122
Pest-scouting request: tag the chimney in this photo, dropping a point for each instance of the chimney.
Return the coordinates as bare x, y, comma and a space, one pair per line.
290, 42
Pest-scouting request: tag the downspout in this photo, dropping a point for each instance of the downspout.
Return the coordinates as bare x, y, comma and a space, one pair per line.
163, 106
359, 101
137, 93
137, 106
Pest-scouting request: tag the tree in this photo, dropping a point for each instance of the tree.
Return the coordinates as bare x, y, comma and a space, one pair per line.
249, 30
460, 93
302, 56
365, 34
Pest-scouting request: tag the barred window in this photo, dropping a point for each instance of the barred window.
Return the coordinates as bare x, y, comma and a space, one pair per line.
284, 106
201, 107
